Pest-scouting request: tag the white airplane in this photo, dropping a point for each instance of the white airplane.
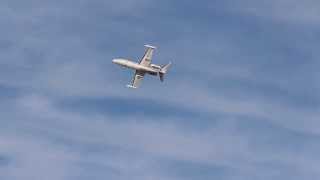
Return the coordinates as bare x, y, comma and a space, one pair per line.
144, 67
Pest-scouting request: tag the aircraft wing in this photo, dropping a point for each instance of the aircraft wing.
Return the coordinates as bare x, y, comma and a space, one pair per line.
137, 79
147, 57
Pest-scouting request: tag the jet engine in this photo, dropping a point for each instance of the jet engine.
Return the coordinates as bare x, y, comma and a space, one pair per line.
155, 66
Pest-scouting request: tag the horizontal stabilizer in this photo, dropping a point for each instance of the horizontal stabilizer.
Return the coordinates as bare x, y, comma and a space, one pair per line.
165, 68
163, 71
130, 86
149, 46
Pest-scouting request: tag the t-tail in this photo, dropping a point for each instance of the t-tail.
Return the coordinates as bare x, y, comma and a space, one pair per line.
163, 71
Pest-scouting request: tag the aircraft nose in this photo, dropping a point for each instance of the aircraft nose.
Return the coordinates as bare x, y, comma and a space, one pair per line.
120, 62
116, 61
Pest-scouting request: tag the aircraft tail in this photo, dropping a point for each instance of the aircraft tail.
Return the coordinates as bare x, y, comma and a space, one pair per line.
163, 71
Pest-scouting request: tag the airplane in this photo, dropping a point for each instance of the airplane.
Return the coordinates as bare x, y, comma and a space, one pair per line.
143, 67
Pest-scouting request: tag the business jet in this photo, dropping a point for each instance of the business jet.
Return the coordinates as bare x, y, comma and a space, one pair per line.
143, 67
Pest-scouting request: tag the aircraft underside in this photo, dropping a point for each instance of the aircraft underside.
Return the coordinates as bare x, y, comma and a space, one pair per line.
144, 67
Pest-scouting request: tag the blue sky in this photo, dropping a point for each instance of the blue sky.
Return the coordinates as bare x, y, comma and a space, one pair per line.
241, 101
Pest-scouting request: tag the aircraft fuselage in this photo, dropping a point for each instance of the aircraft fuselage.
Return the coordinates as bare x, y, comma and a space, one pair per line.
135, 66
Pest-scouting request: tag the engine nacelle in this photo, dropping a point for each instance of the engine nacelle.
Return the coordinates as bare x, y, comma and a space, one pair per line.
155, 66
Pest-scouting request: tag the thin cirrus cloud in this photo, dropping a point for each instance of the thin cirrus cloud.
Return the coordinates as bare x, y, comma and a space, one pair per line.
226, 145
234, 106
283, 11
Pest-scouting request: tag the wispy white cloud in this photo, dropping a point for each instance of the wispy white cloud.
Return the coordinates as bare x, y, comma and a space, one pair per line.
56, 50
223, 145
286, 11
33, 159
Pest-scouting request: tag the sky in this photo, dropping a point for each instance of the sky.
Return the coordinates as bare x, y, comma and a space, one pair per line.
241, 101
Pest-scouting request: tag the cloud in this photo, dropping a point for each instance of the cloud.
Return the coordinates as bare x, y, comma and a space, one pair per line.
237, 93
293, 12
226, 144
33, 159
